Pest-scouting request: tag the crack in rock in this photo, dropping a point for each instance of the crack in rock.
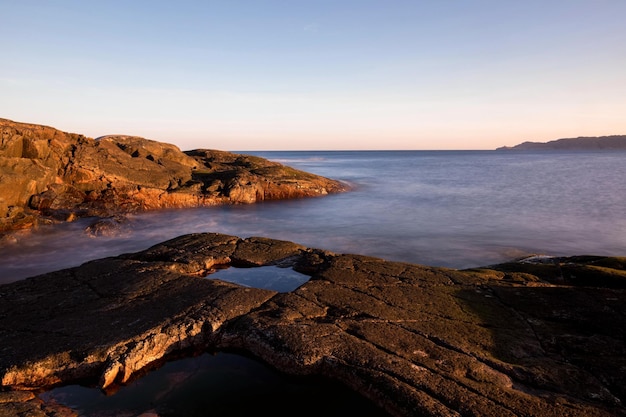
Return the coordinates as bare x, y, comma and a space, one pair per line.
415, 340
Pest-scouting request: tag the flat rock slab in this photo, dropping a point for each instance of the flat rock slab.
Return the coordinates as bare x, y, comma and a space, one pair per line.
510, 340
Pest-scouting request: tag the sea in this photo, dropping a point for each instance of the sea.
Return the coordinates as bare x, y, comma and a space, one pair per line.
454, 209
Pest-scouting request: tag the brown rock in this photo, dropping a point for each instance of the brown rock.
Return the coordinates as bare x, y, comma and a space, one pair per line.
20, 179
414, 339
46, 172
25, 404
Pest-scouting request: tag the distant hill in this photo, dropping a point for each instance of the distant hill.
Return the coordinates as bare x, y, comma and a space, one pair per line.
579, 143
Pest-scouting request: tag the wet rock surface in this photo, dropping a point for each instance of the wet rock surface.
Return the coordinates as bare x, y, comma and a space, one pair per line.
519, 339
48, 176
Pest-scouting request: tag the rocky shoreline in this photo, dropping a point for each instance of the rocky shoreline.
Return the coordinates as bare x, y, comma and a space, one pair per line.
519, 339
51, 176
537, 337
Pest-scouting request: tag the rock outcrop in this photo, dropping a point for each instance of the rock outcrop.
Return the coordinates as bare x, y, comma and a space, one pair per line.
48, 175
520, 339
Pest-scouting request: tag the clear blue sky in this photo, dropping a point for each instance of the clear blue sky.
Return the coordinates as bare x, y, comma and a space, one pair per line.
317, 74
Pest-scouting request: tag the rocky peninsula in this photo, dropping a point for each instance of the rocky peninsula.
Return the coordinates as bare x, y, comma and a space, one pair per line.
539, 337
47, 175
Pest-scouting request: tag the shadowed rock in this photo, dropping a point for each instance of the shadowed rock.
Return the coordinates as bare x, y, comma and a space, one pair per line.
47, 175
416, 340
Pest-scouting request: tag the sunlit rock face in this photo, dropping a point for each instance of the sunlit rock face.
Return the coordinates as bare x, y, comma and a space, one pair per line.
49, 175
520, 339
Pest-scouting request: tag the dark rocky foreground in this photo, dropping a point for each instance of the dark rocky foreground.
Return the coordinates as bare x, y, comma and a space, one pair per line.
47, 175
544, 338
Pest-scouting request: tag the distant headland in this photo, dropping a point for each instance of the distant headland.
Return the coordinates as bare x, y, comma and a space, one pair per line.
579, 143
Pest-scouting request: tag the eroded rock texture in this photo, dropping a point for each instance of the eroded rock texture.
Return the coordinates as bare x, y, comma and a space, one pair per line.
48, 175
511, 340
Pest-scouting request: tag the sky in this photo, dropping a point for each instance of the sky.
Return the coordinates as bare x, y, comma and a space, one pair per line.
317, 74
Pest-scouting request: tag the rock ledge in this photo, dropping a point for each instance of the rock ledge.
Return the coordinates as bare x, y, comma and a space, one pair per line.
518, 339
47, 175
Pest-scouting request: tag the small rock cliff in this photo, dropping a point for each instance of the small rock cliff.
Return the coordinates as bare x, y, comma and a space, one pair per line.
48, 175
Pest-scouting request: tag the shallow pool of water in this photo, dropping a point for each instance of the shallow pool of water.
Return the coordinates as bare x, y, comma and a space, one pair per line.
277, 278
223, 384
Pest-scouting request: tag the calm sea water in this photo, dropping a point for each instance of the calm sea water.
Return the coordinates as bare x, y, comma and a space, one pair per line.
442, 208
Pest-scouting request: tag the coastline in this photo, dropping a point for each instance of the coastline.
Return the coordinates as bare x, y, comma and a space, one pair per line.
405, 335
50, 176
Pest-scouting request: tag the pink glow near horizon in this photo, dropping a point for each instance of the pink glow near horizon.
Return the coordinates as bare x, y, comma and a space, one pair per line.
319, 75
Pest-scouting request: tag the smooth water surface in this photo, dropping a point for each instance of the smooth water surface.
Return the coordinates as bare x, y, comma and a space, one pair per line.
221, 385
442, 208
276, 278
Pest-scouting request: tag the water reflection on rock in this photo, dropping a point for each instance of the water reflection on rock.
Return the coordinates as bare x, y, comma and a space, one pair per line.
223, 384
277, 278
